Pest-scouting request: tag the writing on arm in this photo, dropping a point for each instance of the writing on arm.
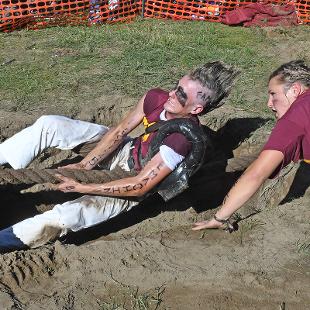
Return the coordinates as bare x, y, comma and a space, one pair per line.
113, 138
105, 147
136, 186
152, 174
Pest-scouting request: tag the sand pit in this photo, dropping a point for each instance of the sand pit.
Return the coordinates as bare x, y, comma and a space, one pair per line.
149, 258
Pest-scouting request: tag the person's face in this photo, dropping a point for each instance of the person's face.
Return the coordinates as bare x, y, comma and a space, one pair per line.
281, 96
185, 99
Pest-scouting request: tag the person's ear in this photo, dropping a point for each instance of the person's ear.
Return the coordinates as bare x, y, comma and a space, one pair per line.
296, 89
197, 109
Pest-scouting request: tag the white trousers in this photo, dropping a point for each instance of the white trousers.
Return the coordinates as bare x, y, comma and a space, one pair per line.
48, 131
86, 211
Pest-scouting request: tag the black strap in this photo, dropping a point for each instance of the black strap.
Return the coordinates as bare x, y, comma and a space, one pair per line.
154, 127
230, 227
221, 220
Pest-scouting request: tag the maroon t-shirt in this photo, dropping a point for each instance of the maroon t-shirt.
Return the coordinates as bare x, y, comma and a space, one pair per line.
153, 106
291, 134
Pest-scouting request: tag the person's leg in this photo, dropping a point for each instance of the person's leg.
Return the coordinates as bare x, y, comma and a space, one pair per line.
74, 215
9, 242
48, 131
2, 160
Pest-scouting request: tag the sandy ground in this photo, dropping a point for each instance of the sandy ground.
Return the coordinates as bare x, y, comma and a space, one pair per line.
149, 258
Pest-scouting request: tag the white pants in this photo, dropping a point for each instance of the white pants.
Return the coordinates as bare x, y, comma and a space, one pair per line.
48, 131
86, 211
75, 215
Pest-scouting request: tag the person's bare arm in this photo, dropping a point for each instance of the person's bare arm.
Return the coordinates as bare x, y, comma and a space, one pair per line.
154, 172
112, 139
245, 187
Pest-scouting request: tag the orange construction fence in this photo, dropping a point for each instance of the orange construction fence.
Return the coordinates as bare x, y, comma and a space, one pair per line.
34, 14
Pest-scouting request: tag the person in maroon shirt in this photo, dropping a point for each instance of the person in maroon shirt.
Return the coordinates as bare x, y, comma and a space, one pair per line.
289, 99
195, 93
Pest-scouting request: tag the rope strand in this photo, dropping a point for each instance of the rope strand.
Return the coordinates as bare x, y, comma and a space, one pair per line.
39, 176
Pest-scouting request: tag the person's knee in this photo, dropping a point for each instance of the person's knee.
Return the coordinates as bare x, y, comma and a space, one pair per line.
73, 221
69, 215
49, 122
81, 213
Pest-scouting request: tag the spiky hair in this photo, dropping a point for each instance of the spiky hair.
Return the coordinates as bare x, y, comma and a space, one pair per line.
218, 78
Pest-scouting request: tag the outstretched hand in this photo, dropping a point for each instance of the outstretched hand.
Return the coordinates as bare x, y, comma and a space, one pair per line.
78, 166
210, 224
67, 185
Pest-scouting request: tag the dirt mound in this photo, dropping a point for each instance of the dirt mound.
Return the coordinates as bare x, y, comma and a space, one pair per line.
149, 258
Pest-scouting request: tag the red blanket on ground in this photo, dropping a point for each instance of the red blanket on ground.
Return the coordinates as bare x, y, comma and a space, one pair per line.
260, 14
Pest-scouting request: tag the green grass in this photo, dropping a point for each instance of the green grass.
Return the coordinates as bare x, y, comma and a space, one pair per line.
303, 247
133, 299
248, 227
74, 65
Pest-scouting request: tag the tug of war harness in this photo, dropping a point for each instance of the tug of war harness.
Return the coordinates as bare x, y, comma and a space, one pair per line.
178, 180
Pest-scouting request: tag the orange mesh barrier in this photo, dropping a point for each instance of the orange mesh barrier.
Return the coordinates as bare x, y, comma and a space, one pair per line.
191, 9
15, 14
303, 9
211, 10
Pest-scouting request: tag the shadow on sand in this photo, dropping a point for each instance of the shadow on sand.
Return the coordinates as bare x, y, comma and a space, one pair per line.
207, 188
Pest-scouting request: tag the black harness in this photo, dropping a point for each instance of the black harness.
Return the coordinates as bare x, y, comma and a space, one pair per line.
178, 180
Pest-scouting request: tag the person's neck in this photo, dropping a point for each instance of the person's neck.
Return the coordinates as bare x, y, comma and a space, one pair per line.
169, 115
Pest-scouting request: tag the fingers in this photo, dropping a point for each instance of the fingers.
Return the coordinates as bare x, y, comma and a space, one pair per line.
62, 178
65, 180
77, 166
71, 166
64, 167
39, 188
200, 225
66, 184
67, 166
211, 224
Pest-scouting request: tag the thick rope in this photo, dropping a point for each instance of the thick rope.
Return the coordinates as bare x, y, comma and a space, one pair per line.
39, 176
